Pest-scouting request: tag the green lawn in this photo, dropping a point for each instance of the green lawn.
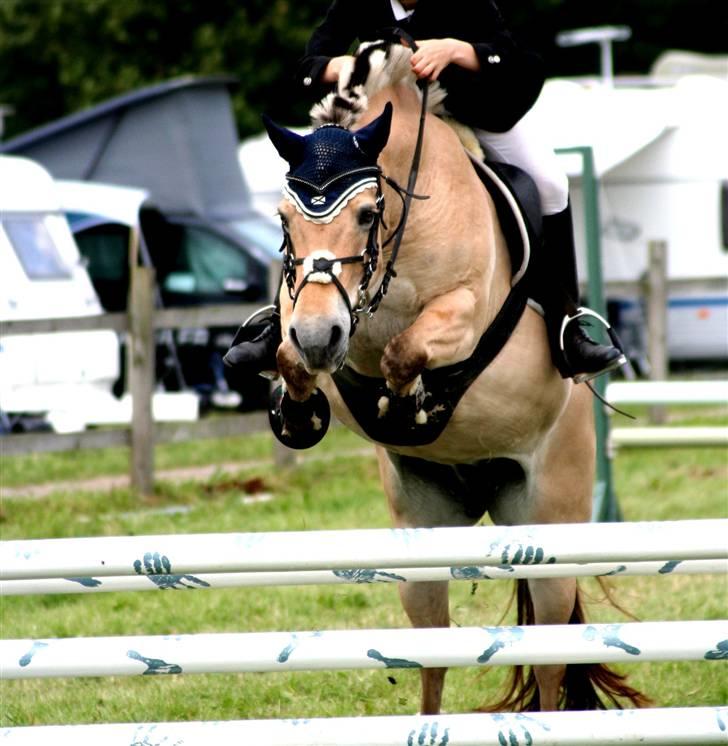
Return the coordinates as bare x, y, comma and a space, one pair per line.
341, 491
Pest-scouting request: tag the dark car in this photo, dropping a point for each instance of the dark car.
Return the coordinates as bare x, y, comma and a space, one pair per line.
196, 263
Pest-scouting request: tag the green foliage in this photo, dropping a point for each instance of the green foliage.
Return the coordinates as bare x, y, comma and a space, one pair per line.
60, 56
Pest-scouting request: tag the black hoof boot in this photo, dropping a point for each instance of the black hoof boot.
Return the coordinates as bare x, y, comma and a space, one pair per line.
254, 348
586, 358
299, 424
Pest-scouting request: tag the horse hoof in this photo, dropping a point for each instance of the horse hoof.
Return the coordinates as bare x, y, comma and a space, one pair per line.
299, 424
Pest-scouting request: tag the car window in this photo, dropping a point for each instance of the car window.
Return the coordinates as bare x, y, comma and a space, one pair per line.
207, 264
264, 235
34, 247
105, 248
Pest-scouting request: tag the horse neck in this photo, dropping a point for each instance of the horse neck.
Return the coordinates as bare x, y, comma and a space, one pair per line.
457, 221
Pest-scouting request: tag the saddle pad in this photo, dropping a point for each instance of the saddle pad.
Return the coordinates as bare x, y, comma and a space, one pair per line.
518, 206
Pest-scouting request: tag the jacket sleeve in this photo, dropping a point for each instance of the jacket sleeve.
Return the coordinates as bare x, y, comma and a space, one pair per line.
331, 38
495, 39
509, 79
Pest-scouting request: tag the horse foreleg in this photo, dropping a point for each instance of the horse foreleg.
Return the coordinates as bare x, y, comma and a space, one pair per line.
299, 413
441, 334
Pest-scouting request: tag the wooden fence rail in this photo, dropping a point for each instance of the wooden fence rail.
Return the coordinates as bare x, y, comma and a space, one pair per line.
140, 322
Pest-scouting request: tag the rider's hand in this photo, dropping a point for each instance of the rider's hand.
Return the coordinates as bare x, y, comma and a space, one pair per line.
433, 55
332, 70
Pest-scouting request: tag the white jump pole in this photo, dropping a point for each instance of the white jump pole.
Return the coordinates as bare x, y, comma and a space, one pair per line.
368, 548
679, 726
151, 582
362, 649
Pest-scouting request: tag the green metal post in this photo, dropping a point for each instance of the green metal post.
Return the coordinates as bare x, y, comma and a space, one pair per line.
606, 505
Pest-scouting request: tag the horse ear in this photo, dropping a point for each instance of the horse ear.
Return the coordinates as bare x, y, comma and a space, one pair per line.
373, 137
288, 144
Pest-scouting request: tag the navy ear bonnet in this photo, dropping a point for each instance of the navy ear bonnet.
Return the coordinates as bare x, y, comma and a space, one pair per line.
331, 165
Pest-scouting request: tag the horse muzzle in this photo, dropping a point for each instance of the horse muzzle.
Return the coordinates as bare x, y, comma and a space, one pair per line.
321, 342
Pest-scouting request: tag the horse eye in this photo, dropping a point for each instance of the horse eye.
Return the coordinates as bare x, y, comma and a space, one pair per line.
366, 216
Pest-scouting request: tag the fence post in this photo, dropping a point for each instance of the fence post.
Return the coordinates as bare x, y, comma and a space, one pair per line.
656, 302
141, 377
606, 505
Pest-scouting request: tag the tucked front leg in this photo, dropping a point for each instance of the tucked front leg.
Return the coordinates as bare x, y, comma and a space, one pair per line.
299, 412
441, 334
300, 384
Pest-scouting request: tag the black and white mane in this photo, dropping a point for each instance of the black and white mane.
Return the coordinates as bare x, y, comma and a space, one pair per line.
377, 65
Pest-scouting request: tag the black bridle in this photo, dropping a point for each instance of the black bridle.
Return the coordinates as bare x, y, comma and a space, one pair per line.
322, 266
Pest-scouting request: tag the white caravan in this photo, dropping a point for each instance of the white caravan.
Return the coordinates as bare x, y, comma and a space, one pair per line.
660, 153
63, 376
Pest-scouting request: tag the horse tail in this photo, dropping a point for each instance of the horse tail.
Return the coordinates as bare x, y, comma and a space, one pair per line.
585, 685
377, 65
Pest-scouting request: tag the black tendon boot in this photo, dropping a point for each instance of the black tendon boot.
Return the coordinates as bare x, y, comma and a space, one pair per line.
574, 352
255, 345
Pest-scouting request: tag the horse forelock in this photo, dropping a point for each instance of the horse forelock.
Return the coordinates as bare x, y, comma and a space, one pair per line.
377, 65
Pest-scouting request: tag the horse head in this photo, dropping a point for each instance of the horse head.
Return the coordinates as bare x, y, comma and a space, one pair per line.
330, 217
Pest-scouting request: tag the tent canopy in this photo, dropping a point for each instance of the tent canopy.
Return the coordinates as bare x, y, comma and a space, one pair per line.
177, 140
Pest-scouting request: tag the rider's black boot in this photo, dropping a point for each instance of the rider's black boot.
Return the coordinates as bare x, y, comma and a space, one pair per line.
575, 353
255, 345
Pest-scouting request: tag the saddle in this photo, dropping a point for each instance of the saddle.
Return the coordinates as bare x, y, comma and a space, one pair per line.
420, 419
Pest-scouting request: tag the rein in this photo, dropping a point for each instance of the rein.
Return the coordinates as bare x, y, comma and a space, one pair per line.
409, 195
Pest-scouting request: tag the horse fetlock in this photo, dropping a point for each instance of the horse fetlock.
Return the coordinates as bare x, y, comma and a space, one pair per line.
401, 365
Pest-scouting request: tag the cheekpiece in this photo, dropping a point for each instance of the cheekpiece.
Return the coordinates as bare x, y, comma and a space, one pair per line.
334, 168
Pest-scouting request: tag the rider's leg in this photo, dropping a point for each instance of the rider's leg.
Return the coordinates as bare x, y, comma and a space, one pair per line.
254, 347
557, 288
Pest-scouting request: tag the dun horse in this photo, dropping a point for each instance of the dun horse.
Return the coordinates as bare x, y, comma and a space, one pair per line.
402, 363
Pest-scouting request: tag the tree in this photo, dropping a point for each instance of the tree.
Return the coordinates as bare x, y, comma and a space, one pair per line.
60, 56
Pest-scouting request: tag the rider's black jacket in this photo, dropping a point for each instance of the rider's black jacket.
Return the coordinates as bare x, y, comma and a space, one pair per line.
494, 98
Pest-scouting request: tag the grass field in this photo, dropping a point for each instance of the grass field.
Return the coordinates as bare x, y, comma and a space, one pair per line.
338, 491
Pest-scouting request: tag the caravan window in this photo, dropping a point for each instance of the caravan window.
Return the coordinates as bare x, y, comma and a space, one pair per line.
35, 249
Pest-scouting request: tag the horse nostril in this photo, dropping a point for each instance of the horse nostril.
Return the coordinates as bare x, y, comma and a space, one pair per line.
336, 333
294, 337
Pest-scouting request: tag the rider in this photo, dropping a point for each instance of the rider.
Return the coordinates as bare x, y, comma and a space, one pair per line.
491, 84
